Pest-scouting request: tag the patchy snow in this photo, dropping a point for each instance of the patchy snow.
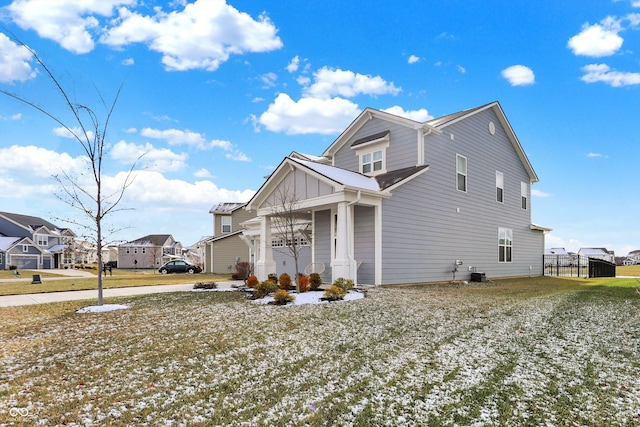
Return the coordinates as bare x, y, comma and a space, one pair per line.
311, 298
102, 308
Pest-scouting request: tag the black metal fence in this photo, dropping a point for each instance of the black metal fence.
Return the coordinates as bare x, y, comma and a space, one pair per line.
577, 266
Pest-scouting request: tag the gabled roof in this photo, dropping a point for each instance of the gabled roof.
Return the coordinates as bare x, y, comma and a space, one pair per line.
397, 177
7, 243
226, 207
31, 223
342, 176
311, 157
150, 240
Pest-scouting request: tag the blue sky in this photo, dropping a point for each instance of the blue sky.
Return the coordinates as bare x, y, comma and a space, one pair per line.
218, 93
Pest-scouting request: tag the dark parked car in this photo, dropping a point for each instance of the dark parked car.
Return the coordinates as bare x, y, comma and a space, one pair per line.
179, 266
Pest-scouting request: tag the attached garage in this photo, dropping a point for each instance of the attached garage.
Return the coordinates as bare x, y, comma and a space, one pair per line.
25, 262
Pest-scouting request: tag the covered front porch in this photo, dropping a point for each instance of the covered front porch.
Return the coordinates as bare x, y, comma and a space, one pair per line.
336, 211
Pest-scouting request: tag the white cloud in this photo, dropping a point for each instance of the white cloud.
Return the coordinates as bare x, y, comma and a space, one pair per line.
269, 80
331, 82
635, 3
461, 69
176, 137
222, 31
421, 115
202, 173
128, 61
538, 193
594, 73
14, 117
14, 62
38, 162
594, 155
519, 75
292, 67
68, 22
154, 159
413, 59
77, 133
597, 40
308, 115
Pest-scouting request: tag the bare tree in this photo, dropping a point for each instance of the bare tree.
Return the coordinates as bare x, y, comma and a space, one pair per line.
287, 221
92, 200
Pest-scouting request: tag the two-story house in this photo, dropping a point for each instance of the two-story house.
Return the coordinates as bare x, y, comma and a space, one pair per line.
30, 242
149, 251
226, 247
398, 201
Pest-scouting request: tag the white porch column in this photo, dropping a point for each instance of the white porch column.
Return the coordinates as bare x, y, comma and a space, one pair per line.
265, 265
343, 265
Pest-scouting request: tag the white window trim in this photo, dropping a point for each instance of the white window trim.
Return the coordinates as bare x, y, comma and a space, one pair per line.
508, 244
524, 195
500, 185
25, 248
465, 174
369, 148
223, 223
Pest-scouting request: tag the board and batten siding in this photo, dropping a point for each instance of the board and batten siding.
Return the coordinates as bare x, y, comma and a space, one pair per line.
364, 243
429, 224
322, 241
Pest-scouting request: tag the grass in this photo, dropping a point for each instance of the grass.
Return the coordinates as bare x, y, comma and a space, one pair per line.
517, 352
120, 279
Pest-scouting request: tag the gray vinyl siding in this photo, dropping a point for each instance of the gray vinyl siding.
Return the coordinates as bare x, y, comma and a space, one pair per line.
322, 242
285, 263
226, 252
423, 231
8, 228
364, 243
401, 153
237, 217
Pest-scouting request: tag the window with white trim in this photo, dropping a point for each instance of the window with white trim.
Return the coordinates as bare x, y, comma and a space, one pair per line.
499, 187
225, 223
524, 194
372, 162
128, 250
505, 245
42, 240
461, 172
25, 248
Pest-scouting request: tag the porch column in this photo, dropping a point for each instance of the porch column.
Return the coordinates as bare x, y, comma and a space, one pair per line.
343, 265
265, 265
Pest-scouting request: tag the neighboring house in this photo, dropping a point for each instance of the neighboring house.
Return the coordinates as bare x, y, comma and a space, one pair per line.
399, 201
195, 253
226, 248
556, 251
149, 251
633, 258
598, 253
31, 242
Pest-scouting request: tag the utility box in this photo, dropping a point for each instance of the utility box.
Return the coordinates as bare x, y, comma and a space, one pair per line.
36, 279
478, 277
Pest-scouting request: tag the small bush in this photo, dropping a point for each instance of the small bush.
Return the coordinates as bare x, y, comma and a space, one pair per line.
265, 288
282, 297
235, 276
273, 277
205, 285
252, 281
315, 281
13, 267
285, 281
334, 293
345, 284
303, 283
244, 269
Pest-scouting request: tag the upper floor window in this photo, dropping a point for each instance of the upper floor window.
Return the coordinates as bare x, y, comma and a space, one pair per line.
25, 248
371, 152
128, 250
225, 222
524, 191
500, 187
461, 172
505, 244
371, 162
42, 240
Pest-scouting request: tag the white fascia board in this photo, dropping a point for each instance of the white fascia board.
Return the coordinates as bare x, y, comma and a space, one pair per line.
541, 228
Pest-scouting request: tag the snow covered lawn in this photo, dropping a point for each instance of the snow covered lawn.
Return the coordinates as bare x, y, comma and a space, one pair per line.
529, 352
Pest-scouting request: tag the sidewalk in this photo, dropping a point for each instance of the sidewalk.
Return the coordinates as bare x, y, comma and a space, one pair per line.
47, 297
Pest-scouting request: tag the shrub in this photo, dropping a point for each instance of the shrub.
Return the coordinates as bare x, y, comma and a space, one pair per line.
265, 288
273, 277
252, 281
303, 283
13, 267
345, 284
205, 285
315, 281
235, 276
243, 270
285, 281
334, 293
282, 297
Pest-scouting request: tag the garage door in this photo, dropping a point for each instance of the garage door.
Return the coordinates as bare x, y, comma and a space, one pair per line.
25, 263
